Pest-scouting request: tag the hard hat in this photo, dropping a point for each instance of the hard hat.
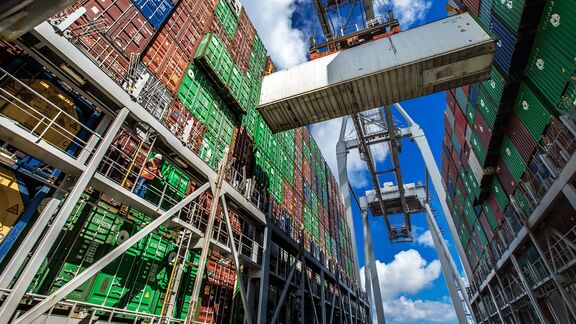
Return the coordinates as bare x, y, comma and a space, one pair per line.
158, 156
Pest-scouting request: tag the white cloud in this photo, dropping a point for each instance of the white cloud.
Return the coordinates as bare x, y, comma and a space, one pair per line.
425, 239
286, 45
326, 135
408, 12
408, 274
406, 310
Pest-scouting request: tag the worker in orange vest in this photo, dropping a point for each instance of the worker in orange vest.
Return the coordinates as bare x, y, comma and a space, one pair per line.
150, 171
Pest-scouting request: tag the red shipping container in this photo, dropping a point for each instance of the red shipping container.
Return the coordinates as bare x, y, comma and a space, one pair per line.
473, 5
306, 171
493, 203
486, 226
521, 138
117, 20
451, 101
482, 129
461, 187
222, 35
460, 124
466, 90
188, 24
464, 157
505, 177
106, 56
243, 40
166, 60
183, 30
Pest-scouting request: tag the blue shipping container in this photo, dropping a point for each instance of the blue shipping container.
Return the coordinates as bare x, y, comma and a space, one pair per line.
473, 94
486, 11
461, 99
155, 11
505, 47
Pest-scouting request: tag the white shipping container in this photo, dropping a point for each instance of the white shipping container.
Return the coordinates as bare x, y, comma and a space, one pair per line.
475, 166
442, 55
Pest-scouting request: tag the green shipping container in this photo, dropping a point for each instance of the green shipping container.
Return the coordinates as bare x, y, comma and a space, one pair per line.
557, 26
469, 213
549, 71
226, 17
499, 193
494, 86
478, 147
470, 113
490, 215
213, 56
532, 111
487, 107
510, 12
522, 202
512, 158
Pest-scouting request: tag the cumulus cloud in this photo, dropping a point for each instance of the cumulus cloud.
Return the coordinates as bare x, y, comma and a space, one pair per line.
272, 18
408, 12
408, 274
326, 135
406, 310
425, 239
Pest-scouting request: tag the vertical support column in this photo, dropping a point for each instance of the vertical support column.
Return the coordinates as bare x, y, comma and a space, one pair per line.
553, 274
28, 244
27, 275
322, 297
302, 282
419, 137
216, 188
495, 304
528, 289
239, 277
451, 275
48, 303
342, 160
369, 255
264, 277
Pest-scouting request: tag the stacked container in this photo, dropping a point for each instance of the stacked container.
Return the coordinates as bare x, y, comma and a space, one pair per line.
195, 66
507, 116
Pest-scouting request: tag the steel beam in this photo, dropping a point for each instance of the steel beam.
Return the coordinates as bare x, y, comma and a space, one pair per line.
239, 277
528, 289
12, 301
393, 144
345, 191
322, 298
264, 278
311, 299
28, 244
284, 293
420, 138
99, 79
73, 284
451, 275
366, 155
563, 293
216, 191
495, 304
369, 255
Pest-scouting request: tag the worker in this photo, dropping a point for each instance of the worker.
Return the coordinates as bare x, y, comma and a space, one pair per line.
150, 171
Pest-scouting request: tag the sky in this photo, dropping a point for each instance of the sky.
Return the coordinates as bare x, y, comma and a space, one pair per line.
410, 277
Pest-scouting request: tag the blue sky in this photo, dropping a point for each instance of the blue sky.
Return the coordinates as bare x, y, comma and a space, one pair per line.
413, 287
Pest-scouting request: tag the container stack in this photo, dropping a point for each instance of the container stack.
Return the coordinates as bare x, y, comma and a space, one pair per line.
495, 130
196, 67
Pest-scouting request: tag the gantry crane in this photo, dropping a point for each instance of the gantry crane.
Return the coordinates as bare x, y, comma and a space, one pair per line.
340, 37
